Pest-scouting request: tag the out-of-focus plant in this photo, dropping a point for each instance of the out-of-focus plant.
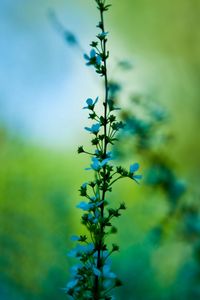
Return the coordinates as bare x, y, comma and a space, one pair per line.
92, 277
145, 134
188, 229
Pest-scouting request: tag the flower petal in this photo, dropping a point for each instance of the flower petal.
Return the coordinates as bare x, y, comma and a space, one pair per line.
134, 167
89, 102
92, 53
84, 206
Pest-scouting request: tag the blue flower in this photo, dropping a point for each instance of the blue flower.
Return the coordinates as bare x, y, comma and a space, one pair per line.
94, 198
137, 177
80, 249
94, 129
107, 273
71, 284
74, 269
92, 55
93, 59
96, 271
133, 168
84, 185
97, 152
97, 165
90, 103
102, 35
105, 161
85, 206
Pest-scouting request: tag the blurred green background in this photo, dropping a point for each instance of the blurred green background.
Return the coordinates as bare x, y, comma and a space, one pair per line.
44, 83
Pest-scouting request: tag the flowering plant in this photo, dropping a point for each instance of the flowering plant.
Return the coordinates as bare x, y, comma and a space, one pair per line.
92, 277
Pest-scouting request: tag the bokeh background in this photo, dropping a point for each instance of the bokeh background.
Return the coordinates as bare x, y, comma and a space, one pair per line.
43, 86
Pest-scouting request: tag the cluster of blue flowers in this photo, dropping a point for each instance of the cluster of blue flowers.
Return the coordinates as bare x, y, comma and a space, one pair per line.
92, 277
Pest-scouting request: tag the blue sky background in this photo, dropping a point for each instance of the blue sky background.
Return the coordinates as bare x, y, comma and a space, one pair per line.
43, 81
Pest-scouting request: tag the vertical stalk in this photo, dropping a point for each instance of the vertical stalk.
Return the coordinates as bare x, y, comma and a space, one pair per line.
88, 282
105, 103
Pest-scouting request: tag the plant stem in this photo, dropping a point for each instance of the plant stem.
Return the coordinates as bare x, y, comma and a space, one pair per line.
100, 243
